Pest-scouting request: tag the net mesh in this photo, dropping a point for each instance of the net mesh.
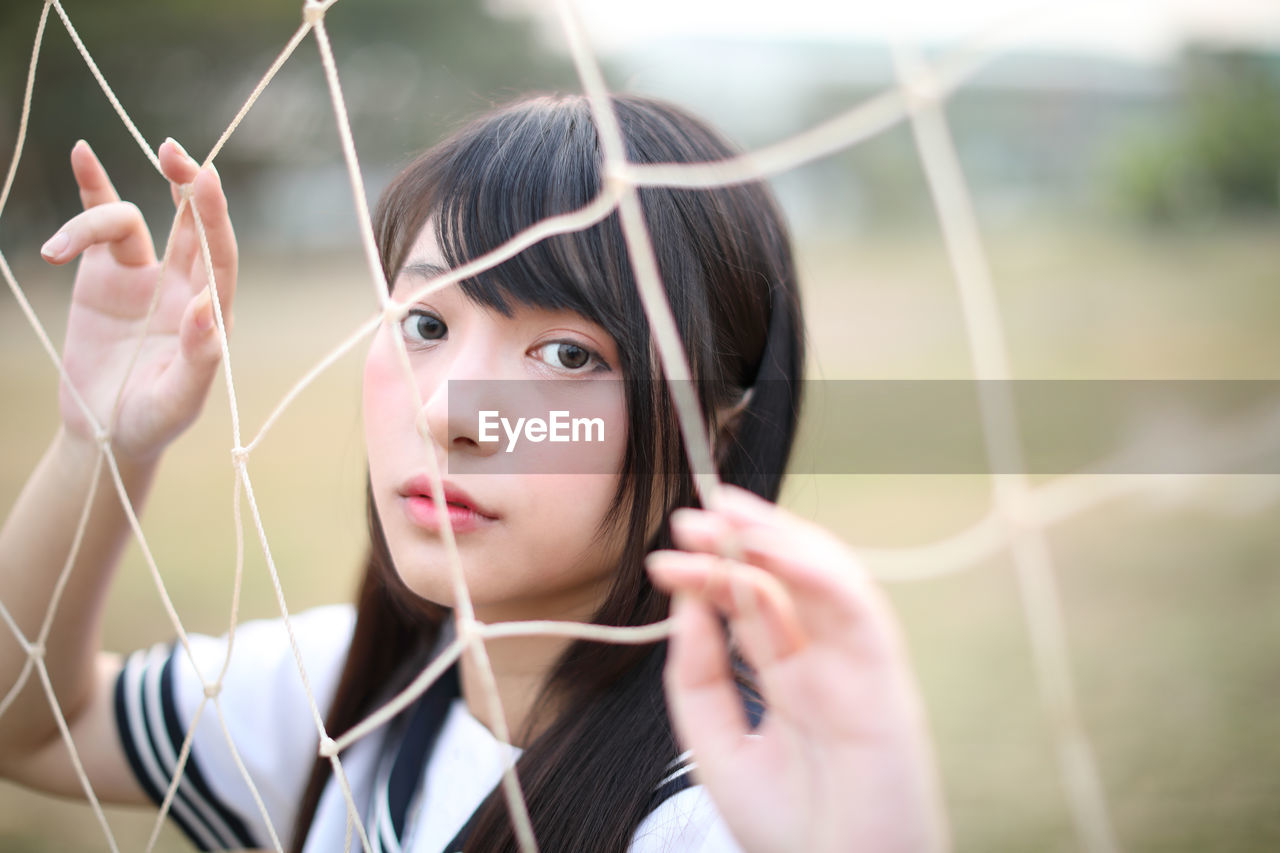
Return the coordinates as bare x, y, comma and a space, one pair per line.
1017, 521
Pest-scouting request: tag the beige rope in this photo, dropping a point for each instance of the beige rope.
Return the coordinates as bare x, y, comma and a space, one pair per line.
244, 772
632, 635
75, 756
352, 812
315, 17
363, 331
26, 108
1223, 447
463, 610
106, 87
172, 790
1018, 521
448, 657
289, 48
671, 353
1027, 542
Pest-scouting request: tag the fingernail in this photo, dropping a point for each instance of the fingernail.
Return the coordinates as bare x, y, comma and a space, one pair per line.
729, 497
734, 493
656, 561
695, 522
682, 515
56, 245
178, 145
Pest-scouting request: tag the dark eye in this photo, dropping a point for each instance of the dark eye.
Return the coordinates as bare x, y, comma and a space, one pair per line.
572, 356
565, 355
421, 326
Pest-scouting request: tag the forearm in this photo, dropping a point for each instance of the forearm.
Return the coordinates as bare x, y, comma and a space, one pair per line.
36, 543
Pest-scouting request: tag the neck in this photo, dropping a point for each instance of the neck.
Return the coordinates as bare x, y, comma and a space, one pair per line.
520, 666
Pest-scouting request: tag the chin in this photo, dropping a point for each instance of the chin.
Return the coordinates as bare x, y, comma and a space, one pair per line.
430, 583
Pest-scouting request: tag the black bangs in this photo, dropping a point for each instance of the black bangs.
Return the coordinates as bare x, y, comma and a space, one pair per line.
528, 165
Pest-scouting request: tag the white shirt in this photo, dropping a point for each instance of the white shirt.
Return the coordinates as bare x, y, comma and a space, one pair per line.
271, 724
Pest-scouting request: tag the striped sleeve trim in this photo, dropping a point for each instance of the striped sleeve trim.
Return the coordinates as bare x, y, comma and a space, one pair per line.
676, 780
676, 775
151, 734
682, 765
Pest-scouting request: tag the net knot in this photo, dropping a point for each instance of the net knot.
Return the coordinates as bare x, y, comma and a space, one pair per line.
328, 747
239, 455
313, 12
35, 651
211, 691
1020, 516
185, 191
617, 178
102, 437
470, 631
922, 91
393, 312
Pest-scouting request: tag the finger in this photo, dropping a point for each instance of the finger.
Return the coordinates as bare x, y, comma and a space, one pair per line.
812, 566
749, 528
211, 204
709, 532
91, 177
839, 600
763, 614
742, 507
181, 170
821, 578
184, 384
118, 225
178, 166
699, 530
706, 708
733, 508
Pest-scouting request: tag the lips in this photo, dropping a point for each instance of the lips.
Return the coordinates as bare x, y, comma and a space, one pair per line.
465, 511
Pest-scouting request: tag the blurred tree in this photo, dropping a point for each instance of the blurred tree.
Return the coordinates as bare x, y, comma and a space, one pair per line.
1233, 134
181, 68
1220, 155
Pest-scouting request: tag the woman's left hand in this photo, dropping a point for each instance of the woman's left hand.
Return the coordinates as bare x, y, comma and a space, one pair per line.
842, 760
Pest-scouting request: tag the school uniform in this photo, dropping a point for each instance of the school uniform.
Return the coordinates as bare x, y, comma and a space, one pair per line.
416, 780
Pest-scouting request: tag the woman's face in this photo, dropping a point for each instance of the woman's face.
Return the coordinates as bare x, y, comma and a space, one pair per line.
526, 511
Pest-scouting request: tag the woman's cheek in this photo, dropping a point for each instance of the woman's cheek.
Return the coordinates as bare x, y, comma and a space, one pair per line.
388, 396
386, 399
382, 374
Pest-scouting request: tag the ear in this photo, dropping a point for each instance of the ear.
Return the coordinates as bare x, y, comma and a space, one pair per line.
727, 418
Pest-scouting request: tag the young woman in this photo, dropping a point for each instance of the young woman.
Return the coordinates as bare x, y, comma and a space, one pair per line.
808, 735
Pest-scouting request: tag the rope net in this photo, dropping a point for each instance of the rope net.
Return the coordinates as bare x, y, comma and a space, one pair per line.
1017, 522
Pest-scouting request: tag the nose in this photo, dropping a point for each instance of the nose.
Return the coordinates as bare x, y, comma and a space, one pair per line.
451, 409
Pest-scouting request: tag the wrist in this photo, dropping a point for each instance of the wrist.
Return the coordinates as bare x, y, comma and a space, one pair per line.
79, 455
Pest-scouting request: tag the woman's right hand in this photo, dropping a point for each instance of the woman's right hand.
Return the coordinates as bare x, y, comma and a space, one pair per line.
143, 375
842, 759
177, 350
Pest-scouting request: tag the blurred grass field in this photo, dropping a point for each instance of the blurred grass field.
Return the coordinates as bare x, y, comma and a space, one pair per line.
1169, 598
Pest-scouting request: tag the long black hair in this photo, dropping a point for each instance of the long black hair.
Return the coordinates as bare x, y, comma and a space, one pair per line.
726, 264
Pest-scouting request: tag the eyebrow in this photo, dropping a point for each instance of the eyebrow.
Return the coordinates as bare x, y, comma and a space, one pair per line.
424, 270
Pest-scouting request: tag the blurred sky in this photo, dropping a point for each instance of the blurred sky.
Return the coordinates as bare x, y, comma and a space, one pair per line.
1137, 29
